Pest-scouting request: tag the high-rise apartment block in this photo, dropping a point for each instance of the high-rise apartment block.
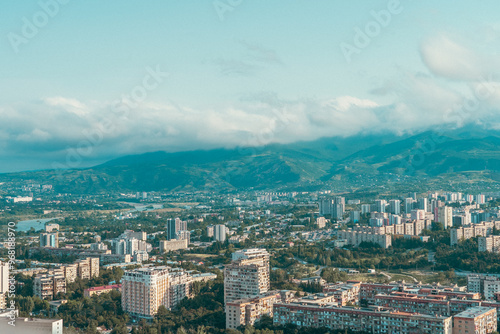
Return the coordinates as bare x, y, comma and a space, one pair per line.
144, 290
444, 215
333, 207
395, 206
49, 240
220, 233
247, 275
47, 286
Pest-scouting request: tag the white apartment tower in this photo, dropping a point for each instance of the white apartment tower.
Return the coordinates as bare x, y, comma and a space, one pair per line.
220, 233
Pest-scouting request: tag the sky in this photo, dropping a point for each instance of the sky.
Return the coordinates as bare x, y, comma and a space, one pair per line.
83, 82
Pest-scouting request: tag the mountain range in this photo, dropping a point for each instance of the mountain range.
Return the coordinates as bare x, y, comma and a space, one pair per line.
466, 155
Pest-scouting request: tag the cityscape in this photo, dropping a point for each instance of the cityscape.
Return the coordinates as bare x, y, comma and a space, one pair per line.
250, 167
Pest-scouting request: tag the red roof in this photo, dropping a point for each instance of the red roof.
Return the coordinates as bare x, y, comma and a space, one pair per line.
104, 287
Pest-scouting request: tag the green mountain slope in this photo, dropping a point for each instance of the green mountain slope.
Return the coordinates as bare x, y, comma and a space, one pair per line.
473, 155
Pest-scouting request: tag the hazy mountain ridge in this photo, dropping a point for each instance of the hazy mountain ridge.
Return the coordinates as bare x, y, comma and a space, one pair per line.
279, 165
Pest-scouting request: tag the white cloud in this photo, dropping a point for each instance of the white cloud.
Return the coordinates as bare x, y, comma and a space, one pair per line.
450, 59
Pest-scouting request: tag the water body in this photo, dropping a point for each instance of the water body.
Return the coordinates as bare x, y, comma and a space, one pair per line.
37, 224
150, 207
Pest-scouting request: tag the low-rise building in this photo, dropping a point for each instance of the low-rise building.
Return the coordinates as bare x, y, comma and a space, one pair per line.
98, 290
172, 245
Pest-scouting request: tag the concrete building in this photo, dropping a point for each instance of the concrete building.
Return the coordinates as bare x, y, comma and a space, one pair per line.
365, 208
333, 207
489, 244
4, 277
483, 229
423, 204
444, 215
51, 227
31, 325
172, 245
475, 320
49, 240
321, 222
47, 286
369, 320
144, 290
210, 231
247, 311
70, 272
220, 233
409, 205
395, 206
356, 238
488, 286
380, 205
247, 275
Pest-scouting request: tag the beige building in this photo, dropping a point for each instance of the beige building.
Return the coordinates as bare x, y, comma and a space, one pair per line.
4, 277
47, 286
70, 272
475, 320
88, 268
99, 290
172, 245
483, 229
247, 275
247, 311
144, 290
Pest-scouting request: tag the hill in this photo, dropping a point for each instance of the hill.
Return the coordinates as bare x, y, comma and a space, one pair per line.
357, 162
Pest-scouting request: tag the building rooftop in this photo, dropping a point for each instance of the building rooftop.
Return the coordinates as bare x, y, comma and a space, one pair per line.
474, 312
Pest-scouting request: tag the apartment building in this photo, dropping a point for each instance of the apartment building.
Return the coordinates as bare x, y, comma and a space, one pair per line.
483, 284
344, 293
70, 272
483, 229
405, 302
88, 268
49, 239
247, 311
144, 290
179, 287
4, 277
356, 238
247, 275
372, 320
47, 286
172, 245
475, 320
489, 244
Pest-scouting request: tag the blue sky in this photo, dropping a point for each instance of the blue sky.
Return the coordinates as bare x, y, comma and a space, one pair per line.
240, 72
